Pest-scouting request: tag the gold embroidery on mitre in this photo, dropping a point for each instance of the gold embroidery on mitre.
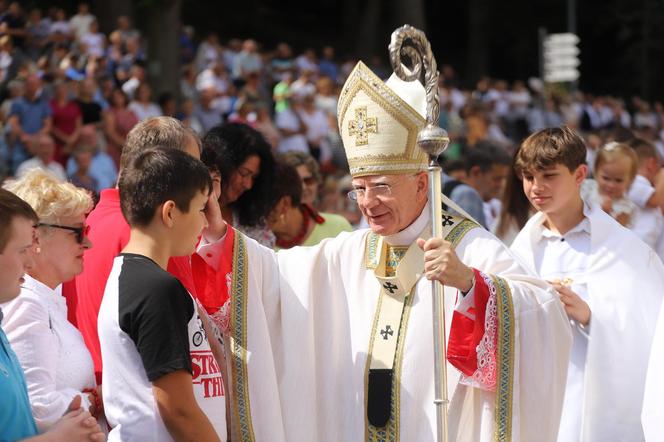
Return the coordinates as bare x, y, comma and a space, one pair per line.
391, 149
362, 126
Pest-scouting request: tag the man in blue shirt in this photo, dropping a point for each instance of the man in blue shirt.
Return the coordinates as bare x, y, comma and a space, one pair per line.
29, 115
486, 167
17, 221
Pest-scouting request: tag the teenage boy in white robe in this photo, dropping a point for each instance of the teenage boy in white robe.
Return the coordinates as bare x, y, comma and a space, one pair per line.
608, 280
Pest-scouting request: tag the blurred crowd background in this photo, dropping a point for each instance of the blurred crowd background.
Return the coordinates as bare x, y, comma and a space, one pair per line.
70, 93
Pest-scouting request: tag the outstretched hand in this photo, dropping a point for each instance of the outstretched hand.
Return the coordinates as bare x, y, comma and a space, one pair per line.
216, 225
442, 264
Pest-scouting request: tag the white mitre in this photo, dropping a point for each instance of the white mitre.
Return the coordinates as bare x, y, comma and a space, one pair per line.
379, 122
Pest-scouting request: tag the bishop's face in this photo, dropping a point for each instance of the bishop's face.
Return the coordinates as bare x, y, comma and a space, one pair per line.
390, 203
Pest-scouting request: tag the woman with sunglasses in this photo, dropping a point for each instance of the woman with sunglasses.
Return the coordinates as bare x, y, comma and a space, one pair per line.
56, 362
309, 171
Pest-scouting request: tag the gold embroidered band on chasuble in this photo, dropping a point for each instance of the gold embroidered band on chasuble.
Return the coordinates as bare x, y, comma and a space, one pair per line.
379, 122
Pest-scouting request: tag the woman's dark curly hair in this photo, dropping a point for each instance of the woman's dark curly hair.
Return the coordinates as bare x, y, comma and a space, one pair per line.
225, 148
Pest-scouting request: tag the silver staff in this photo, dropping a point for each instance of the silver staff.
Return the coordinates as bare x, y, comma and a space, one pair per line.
412, 43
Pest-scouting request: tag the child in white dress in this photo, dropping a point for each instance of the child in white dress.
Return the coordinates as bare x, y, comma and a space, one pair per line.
615, 170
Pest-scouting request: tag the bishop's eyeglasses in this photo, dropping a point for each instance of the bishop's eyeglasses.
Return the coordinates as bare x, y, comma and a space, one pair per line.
379, 190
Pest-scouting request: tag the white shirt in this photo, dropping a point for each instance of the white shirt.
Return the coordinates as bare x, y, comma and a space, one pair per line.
492, 209
94, 43
53, 167
208, 79
81, 23
302, 88
60, 27
317, 130
148, 328
565, 258
51, 350
648, 224
297, 142
640, 191
659, 246
129, 87
144, 111
207, 53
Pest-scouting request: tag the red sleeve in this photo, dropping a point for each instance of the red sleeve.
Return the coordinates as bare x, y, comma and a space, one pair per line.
109, 233
211, 284
467, 332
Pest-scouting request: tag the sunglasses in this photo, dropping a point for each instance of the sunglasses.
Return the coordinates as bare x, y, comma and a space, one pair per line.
81, 232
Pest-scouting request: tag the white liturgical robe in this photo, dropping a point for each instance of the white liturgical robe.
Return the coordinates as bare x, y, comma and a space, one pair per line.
623, 278
313, 309
653, 400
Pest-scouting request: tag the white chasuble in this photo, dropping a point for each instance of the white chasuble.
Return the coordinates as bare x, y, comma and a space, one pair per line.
313, 309
624, 280
652, 416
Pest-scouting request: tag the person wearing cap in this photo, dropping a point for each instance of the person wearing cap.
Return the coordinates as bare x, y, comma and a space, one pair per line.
341, 332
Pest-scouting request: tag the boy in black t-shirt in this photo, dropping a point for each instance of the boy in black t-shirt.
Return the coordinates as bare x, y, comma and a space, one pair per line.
160, 379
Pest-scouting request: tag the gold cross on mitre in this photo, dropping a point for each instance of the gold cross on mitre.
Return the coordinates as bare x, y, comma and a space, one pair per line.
361, 126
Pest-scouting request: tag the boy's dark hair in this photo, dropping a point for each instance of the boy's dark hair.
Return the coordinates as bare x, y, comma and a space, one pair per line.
12, 207
225, 148
485, 155
450, 165
548, 147
157, 175
287, 182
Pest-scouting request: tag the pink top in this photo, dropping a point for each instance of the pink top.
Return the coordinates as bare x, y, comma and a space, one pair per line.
125, 120
64, 119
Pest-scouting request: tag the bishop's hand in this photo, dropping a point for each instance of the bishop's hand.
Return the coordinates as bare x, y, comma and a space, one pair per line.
442, 264
216, 225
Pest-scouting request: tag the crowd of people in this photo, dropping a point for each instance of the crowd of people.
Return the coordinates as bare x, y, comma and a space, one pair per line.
84, 90
144, 236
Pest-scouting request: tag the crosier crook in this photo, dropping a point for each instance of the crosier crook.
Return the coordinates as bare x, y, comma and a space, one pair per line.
412, 43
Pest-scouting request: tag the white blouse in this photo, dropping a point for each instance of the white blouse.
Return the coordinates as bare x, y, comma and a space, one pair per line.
144, 111
51, 351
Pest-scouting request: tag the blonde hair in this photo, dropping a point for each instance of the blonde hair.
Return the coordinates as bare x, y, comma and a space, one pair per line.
611, 151
50, 198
